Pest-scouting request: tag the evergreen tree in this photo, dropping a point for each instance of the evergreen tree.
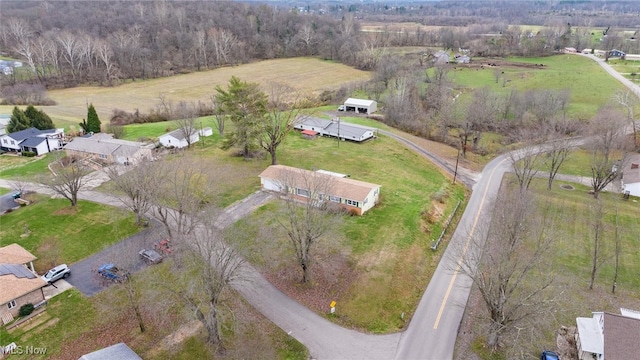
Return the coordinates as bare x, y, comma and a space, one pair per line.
19, 121
246, 106
93, 122
38, 118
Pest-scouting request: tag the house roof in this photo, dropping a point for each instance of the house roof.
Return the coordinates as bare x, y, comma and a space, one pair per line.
358, 102
17, 280
342, 187
178, 134
335, 128
15, 254
621, 336
32, 141
28, 133
118, 351
102, 145
590, 335
629, 175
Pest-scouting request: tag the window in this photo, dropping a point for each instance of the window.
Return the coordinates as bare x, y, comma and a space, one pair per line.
302, 192
13, 142
4, 140
102, 156
351, 202
334, 198
11, 304
365, 201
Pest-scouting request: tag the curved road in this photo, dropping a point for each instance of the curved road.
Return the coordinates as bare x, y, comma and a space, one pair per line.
432, 332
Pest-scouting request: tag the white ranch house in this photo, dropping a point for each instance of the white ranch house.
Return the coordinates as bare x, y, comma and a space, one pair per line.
177, 139
353, 195
631, 176
607, 336
336, 128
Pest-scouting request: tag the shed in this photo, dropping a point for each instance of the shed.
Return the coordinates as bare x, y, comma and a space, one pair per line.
360, 105
205, 131
177, 138
309, 134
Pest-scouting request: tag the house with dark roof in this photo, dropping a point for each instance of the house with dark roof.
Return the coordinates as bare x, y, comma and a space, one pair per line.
105, 149
178, 138
355, 196
19, 284
336, 128
33, 140
607, 336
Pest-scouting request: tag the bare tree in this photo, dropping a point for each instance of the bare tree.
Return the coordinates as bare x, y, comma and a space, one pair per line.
526, 161
283, 112
608, 144
308, 215
597, 227
204, 269
557, 150
628, 100
219, 116
69, 178
504, 265
186, 114
617, 251
132, 185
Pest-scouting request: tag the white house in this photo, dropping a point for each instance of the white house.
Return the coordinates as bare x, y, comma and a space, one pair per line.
631, 176
33, 140
205, 131
607, 336
177, 138
336, 128
360, 105
353, 195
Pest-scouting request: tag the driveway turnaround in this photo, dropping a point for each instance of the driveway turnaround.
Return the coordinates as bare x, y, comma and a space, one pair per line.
125, 254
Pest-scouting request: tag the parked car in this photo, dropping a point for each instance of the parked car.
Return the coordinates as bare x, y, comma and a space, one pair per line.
341, 108
111, 272
57, 273
150, 256
549, 355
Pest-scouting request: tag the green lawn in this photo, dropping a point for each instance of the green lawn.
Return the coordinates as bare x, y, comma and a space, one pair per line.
22, 167
589, 84
388, 247
72, 234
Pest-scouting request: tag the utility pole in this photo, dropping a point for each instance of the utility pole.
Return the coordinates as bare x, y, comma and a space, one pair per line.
338, 132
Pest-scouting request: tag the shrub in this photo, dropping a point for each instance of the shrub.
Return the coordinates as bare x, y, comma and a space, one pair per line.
28, 153
25, 94
26, 309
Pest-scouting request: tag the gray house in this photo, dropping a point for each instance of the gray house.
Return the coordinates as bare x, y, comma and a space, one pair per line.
336, 128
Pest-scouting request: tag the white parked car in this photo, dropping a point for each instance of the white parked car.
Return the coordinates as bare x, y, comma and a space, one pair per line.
341, 108
57, 273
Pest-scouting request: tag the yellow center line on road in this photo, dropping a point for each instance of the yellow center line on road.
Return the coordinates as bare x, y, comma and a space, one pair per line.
464, 251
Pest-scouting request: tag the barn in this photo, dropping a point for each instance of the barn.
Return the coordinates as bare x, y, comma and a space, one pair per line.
360, 106
336, 128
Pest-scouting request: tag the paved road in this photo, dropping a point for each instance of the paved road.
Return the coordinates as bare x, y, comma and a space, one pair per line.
7, 202
626, 82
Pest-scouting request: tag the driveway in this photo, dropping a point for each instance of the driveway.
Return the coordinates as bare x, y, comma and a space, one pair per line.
124, 254
7, 202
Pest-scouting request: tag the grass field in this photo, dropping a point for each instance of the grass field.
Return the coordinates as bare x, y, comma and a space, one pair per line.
589, 84
72, 234
571, 261
308, 75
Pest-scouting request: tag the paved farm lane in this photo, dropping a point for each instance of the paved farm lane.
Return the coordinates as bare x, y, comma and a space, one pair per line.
626, 82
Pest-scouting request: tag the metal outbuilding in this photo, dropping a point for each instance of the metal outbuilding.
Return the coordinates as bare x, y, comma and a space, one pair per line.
361, 105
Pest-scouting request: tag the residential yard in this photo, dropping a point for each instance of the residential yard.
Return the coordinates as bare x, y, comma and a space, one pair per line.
57, 233
22, 167
376, 266
73, 325
571, 266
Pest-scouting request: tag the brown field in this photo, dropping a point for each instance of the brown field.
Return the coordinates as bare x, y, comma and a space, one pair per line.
309, 75
401, 27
